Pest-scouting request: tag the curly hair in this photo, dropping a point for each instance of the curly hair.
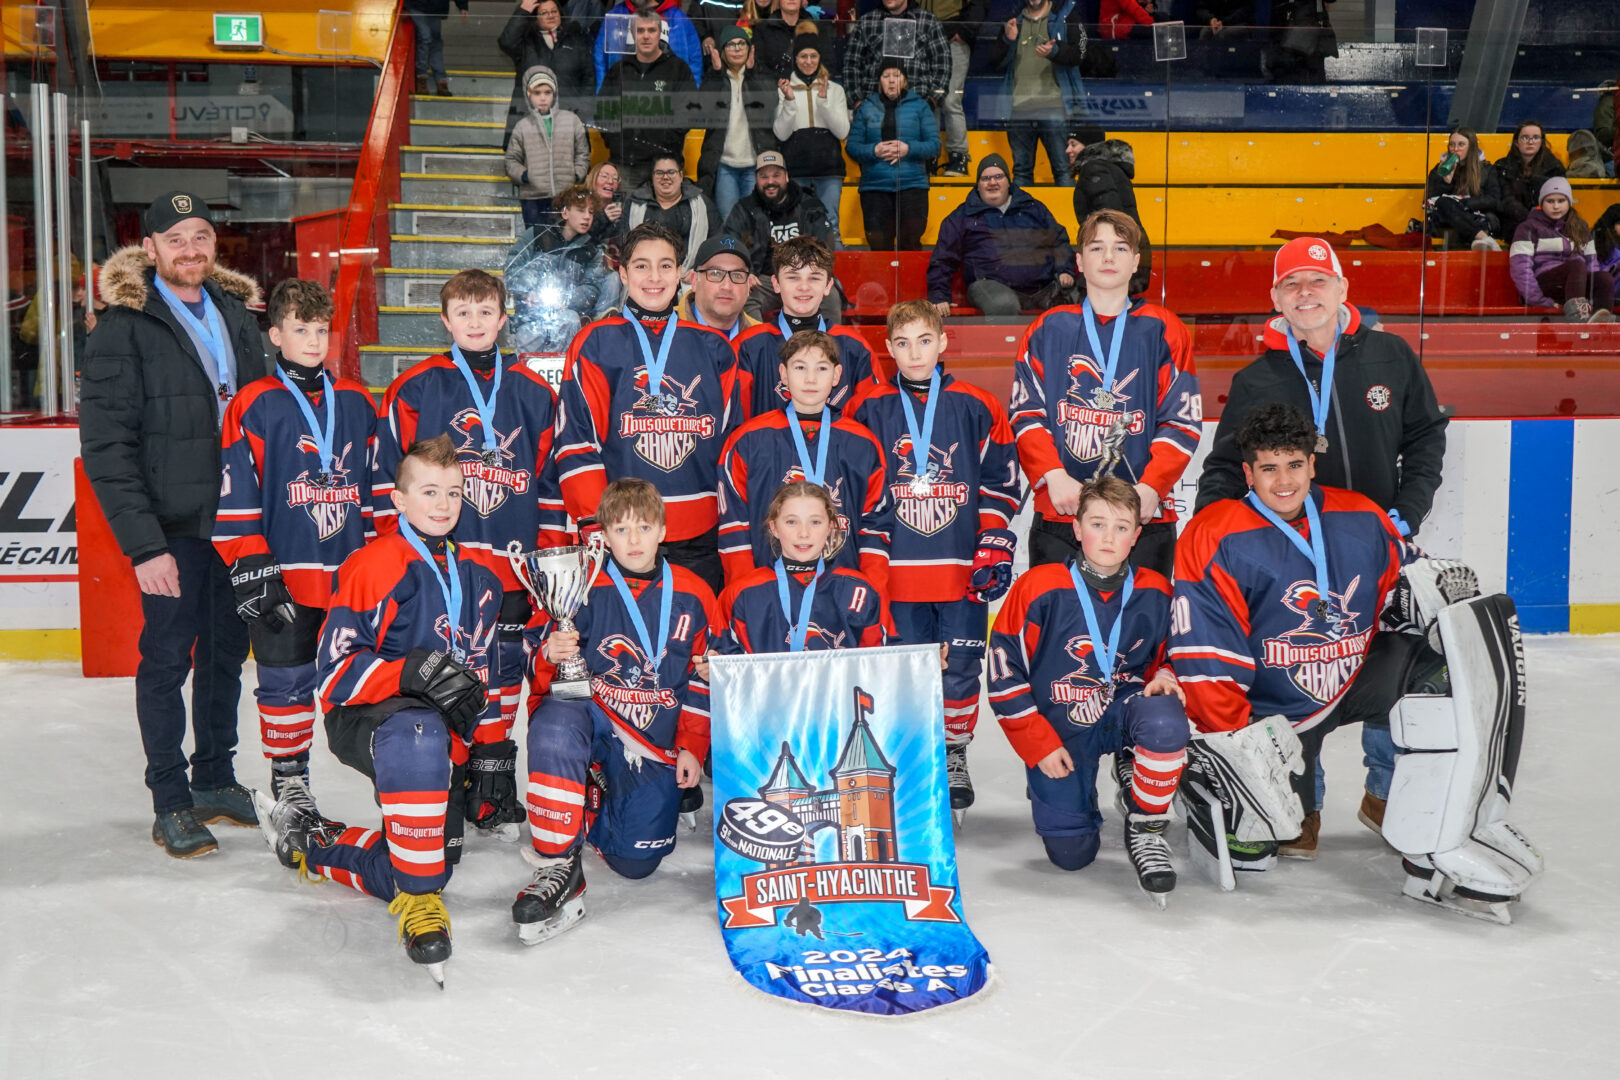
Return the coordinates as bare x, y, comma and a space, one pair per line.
1274, 426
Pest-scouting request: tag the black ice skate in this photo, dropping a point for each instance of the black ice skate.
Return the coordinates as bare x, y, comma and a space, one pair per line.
691, 803
292, 825
551, 903
283, 769
960, 781
1150, 854
424, 930
1124, 768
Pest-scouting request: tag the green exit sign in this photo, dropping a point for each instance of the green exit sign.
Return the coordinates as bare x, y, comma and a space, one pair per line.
238, 31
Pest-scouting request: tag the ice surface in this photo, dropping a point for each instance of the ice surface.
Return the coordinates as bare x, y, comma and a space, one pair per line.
119, 962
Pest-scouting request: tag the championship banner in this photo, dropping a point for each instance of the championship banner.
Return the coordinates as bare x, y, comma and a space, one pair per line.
834, 863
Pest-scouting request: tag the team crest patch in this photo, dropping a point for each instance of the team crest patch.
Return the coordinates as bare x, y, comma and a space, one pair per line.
630, 687
181, 204
1084, 696
1378, 397
928, 506
471, 648
1319, 253
1324, 652
1089, 411
327, 497
491, 476
666, 425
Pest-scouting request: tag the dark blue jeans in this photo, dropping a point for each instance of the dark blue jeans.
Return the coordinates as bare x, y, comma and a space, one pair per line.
196, 633
429, 45
1052, 134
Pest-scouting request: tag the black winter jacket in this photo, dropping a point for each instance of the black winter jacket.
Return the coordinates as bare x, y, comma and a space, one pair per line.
758, 227
149, 415
657, 103
570, 60
1104, 179
1386, 436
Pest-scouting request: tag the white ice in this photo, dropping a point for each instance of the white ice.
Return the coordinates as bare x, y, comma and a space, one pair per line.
119, 962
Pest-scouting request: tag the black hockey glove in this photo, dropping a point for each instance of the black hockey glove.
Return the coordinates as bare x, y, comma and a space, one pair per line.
448, 686
492, 786
261, 596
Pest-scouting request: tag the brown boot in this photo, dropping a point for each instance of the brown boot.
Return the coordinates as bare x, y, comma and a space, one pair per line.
1303, 846
1371, 813
444, 89
422, 85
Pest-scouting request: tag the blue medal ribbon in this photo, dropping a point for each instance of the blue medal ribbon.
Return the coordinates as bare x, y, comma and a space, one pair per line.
921, 440
1314, 549
823, 439
799, 629
1109, 651
1112, 366
1320, 399
450, 590
787, 331
486, 406
211, 328
322, 435
655, 365
665, 604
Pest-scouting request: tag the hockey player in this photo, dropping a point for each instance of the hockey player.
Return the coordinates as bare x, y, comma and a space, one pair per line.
647, 395
624, 737
404, 664
805, 439
500, 414
295, 501
1077, 670
952, 473
803, 279
1104, 386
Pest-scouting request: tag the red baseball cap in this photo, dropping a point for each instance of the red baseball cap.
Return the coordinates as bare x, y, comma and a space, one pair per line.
1305, 253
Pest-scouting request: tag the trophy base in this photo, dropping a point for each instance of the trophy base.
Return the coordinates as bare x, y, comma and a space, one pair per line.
571, 689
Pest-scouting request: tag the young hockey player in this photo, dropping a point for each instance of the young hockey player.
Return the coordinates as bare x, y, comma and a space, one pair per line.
1077, 670
953, 476
803, 278
500, 414
1106, 385
805, 439
295, 501
623, 738
647, 395
404, 664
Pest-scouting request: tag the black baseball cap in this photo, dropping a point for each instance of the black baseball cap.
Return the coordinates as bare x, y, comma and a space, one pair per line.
720, 245
171, 208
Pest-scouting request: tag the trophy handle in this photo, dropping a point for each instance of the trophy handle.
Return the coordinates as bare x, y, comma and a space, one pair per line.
596, 554
514, 555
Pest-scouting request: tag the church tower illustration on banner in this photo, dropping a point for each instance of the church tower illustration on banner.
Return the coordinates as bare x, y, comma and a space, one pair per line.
859, 806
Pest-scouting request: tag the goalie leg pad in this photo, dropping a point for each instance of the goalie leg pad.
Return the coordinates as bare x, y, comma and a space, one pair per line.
1249, 771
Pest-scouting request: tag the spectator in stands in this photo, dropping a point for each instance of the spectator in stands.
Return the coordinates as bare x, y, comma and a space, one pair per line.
1104, 172
960, 20
1606, 241
1528, 165
1011, 251
1554, 260
428, 17
676, 33
928, 68
777, 210
649, 85
1304, 39
712, 18
1224, 19
775, 35
675, 202
1039, 51
740, 108
1585, 158
549, 149
558, 260
1126, 18
1604, 126
720, 283
537, 36
894, 138
603, 180
1463, 197
812, 122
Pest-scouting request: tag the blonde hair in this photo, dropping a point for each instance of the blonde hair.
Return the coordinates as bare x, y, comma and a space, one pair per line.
630, 498
910, 311
804, 489
1113, 491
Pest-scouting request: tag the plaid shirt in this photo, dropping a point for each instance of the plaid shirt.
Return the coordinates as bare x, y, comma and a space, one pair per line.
928, 71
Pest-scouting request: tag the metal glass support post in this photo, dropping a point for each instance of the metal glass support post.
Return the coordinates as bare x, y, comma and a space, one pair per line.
5, 299
44, 246
62, 131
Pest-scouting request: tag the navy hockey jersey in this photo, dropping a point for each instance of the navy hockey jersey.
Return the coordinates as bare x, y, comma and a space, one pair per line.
613, 425
973, 483
759, 367
647, 704
510, 494
761, 456
276, 496
1061, 413
1248, 637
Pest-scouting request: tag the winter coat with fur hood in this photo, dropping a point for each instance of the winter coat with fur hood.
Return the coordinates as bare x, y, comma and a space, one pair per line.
149, 413
1104, 179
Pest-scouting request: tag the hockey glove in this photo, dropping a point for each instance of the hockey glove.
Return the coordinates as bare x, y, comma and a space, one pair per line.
436, 678
992, 565
260, 592
491, 786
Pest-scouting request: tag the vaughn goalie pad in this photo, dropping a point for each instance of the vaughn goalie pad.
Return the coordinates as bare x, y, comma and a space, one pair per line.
1448, 802
1248, 771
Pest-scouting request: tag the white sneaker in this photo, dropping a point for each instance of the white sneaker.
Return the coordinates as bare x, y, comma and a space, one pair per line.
1485, 243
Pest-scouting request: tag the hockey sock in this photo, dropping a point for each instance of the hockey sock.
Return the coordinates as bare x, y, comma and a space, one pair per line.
1154, 777
286, 698
358, 859
556, 808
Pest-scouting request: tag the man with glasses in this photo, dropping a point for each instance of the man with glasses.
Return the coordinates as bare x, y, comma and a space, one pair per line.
720, 280
676, 203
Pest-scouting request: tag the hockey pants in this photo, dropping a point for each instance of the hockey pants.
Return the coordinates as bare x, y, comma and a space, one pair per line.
962, 624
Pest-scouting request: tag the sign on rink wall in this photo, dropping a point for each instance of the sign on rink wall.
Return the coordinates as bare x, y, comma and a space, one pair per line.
39, 553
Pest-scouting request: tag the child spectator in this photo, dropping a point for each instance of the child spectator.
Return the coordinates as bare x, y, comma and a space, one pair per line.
537, 34
307, 441
739, 117
559, 278
894, 138
1554, 260
1463, 196
1585, 157
1528, 164
812, 122
549, 149
1606, 241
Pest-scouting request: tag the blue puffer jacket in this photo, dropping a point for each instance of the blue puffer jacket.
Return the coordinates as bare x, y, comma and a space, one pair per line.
1024, 248
914, 125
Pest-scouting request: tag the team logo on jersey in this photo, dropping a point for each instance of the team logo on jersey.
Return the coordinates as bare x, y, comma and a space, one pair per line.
1324, 652
472, 647
835, 488
630, 687
1378, 397
666, 425
1089, 412
926, 510
327, 497
490, 477
1081, 692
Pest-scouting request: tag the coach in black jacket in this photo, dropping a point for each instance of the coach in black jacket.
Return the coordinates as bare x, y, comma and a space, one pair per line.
154, 392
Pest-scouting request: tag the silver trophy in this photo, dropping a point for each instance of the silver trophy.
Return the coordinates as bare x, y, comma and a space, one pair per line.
560, 581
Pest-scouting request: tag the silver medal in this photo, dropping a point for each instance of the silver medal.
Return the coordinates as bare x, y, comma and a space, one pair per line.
1321, 444
491, 457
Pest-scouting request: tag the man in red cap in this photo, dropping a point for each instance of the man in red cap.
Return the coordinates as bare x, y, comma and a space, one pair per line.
1380, 431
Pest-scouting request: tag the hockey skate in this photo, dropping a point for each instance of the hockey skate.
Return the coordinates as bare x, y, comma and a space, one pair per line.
292, 824
1124, 766
691, 803
424, 930
959, 779
552, 902
1150, 854
283, 769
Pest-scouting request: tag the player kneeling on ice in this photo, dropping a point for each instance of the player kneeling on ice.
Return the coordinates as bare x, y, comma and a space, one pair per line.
620, 741
1283, 630
404, 666
1077, 670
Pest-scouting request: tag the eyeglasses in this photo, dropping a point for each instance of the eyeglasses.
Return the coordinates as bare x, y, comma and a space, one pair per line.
1527, 137
715, 276
666, 173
